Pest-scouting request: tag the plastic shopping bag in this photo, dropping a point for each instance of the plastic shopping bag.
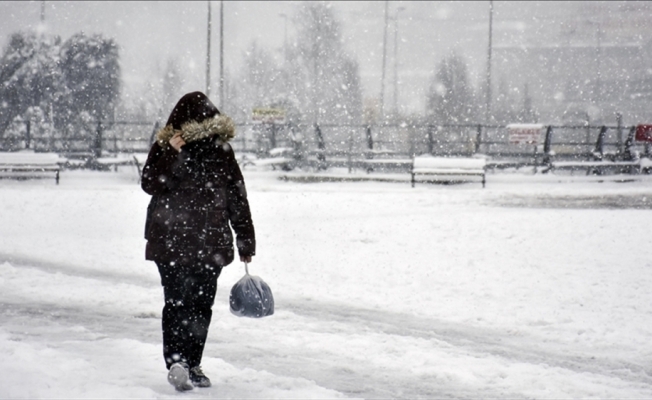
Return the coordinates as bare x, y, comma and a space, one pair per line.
251, 297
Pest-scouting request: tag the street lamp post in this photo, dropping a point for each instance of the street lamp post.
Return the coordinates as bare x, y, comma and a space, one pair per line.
488, 105
222, 54
398, 10
285, 38
382, 79
598, 88
208, 51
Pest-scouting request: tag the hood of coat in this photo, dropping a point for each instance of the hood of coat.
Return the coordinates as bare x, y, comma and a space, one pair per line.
192, 131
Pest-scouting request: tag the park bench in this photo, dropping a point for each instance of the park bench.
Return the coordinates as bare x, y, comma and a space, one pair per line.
277, 157
387, 164
124, 159
602, 162
448, 169
28, 164
598, 167
282, 162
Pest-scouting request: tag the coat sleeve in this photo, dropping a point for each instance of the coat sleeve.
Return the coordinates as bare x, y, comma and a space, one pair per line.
161, 170
239, 212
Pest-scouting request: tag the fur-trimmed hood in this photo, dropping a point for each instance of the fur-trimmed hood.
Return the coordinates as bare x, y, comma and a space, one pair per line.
192, 131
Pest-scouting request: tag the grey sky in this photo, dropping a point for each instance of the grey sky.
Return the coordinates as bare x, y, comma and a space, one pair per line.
150, 32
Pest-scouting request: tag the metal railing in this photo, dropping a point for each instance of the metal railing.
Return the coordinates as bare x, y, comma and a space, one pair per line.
331, 140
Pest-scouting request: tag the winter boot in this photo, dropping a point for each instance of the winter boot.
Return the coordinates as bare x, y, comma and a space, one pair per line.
198, 378
179, 377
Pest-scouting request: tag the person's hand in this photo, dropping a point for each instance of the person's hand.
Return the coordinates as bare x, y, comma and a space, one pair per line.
177, 141
246, 259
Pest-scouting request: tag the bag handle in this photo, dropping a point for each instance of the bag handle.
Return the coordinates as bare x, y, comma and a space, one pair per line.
246, 267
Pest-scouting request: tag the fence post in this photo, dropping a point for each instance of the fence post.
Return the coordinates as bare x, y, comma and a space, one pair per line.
370, 142
28, 133
152, 137
629, 145
370, 147
349, 158
272, 139
547, 145
619, 126
478, 139
98, 140
599, 144
321, 148
97, 147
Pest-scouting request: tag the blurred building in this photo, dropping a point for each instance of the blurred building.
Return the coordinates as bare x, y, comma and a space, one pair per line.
591, 61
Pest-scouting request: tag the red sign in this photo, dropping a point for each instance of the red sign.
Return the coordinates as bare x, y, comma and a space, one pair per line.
525, 133
644, 133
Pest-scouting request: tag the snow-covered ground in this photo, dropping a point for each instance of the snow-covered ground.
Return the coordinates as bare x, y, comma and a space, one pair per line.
535, 287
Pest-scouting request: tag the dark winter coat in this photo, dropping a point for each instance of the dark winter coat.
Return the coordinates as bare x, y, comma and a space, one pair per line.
195, 194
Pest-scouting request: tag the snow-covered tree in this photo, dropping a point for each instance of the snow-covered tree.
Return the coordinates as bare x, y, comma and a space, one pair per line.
330, 87
91, 72
30, 77
450, 97
260, 80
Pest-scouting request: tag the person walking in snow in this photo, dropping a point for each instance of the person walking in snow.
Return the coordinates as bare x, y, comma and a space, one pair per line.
197, 189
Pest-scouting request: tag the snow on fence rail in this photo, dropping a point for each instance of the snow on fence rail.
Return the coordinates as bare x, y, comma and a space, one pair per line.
27, 164
374, 147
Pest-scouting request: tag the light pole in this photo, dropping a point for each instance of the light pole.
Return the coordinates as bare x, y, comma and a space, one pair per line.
488, 106
285, 38
598, 88
222, 54
398, 10
208, 51
382, 79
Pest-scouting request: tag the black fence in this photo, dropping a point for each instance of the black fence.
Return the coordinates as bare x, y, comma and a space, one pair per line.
328, 141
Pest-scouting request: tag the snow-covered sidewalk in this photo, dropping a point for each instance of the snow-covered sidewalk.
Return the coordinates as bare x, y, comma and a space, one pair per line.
535, 287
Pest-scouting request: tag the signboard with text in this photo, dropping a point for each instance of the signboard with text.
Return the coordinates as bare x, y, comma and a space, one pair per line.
525, 133
268, 115
644, 133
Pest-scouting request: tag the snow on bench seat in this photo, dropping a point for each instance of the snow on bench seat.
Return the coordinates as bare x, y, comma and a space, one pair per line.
28, 164
124, 159
461, 168
282, 162
589, 164
386, 163
593, 165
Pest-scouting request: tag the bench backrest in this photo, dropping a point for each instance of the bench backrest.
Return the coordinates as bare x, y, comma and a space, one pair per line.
447, 162
20, 158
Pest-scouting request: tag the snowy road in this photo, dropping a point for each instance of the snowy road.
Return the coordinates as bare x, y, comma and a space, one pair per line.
355, 351
382, 292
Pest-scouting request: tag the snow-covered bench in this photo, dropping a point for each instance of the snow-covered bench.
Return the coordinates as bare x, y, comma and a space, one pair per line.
278, 157
386, 164
28, 164
283, 162
122, 159
598, 166
448, 169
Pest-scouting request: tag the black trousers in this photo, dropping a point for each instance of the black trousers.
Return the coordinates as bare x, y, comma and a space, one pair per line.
189, 292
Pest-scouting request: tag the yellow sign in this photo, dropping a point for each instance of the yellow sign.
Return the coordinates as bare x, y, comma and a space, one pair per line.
268, 115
